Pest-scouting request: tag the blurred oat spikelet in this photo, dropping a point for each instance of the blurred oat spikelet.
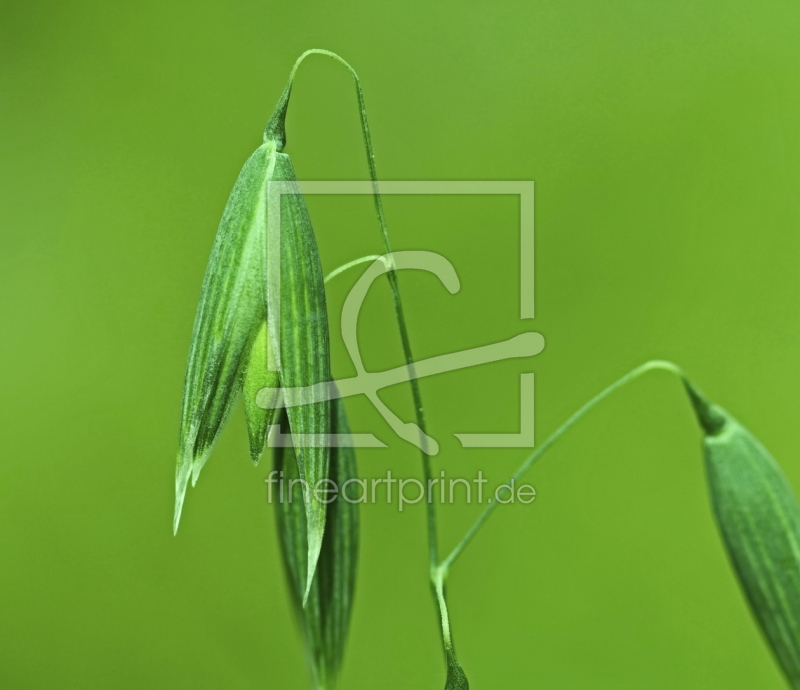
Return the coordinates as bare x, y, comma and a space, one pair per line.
759, 521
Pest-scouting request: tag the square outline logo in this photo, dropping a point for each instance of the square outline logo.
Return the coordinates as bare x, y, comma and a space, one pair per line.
368, 383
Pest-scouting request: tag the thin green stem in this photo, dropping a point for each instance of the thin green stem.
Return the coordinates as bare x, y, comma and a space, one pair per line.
438, 577
276, 131
551, 441
355, 262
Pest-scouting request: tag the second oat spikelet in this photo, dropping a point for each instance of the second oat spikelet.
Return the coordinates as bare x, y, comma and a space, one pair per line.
759, 520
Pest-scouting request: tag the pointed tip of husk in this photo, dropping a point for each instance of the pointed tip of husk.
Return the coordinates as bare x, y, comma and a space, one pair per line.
314, 549
257, 448
255, 457
181, 483
197, 465
257, 429
275, 131
711, 417
456, 678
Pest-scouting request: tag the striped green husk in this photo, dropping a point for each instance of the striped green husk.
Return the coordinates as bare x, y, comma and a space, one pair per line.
304, 343
325, 619
230, 311
232, 347
759, 519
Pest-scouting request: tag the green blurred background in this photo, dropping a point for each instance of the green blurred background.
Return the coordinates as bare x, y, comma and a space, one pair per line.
664, 140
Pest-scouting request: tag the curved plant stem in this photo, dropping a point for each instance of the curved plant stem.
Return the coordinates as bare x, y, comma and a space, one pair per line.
276, 130
438, 570
554, 437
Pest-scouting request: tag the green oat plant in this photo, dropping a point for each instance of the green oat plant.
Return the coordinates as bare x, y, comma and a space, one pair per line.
244, 343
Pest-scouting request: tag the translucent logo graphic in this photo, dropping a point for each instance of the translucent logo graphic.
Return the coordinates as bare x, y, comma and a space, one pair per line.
368, 383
